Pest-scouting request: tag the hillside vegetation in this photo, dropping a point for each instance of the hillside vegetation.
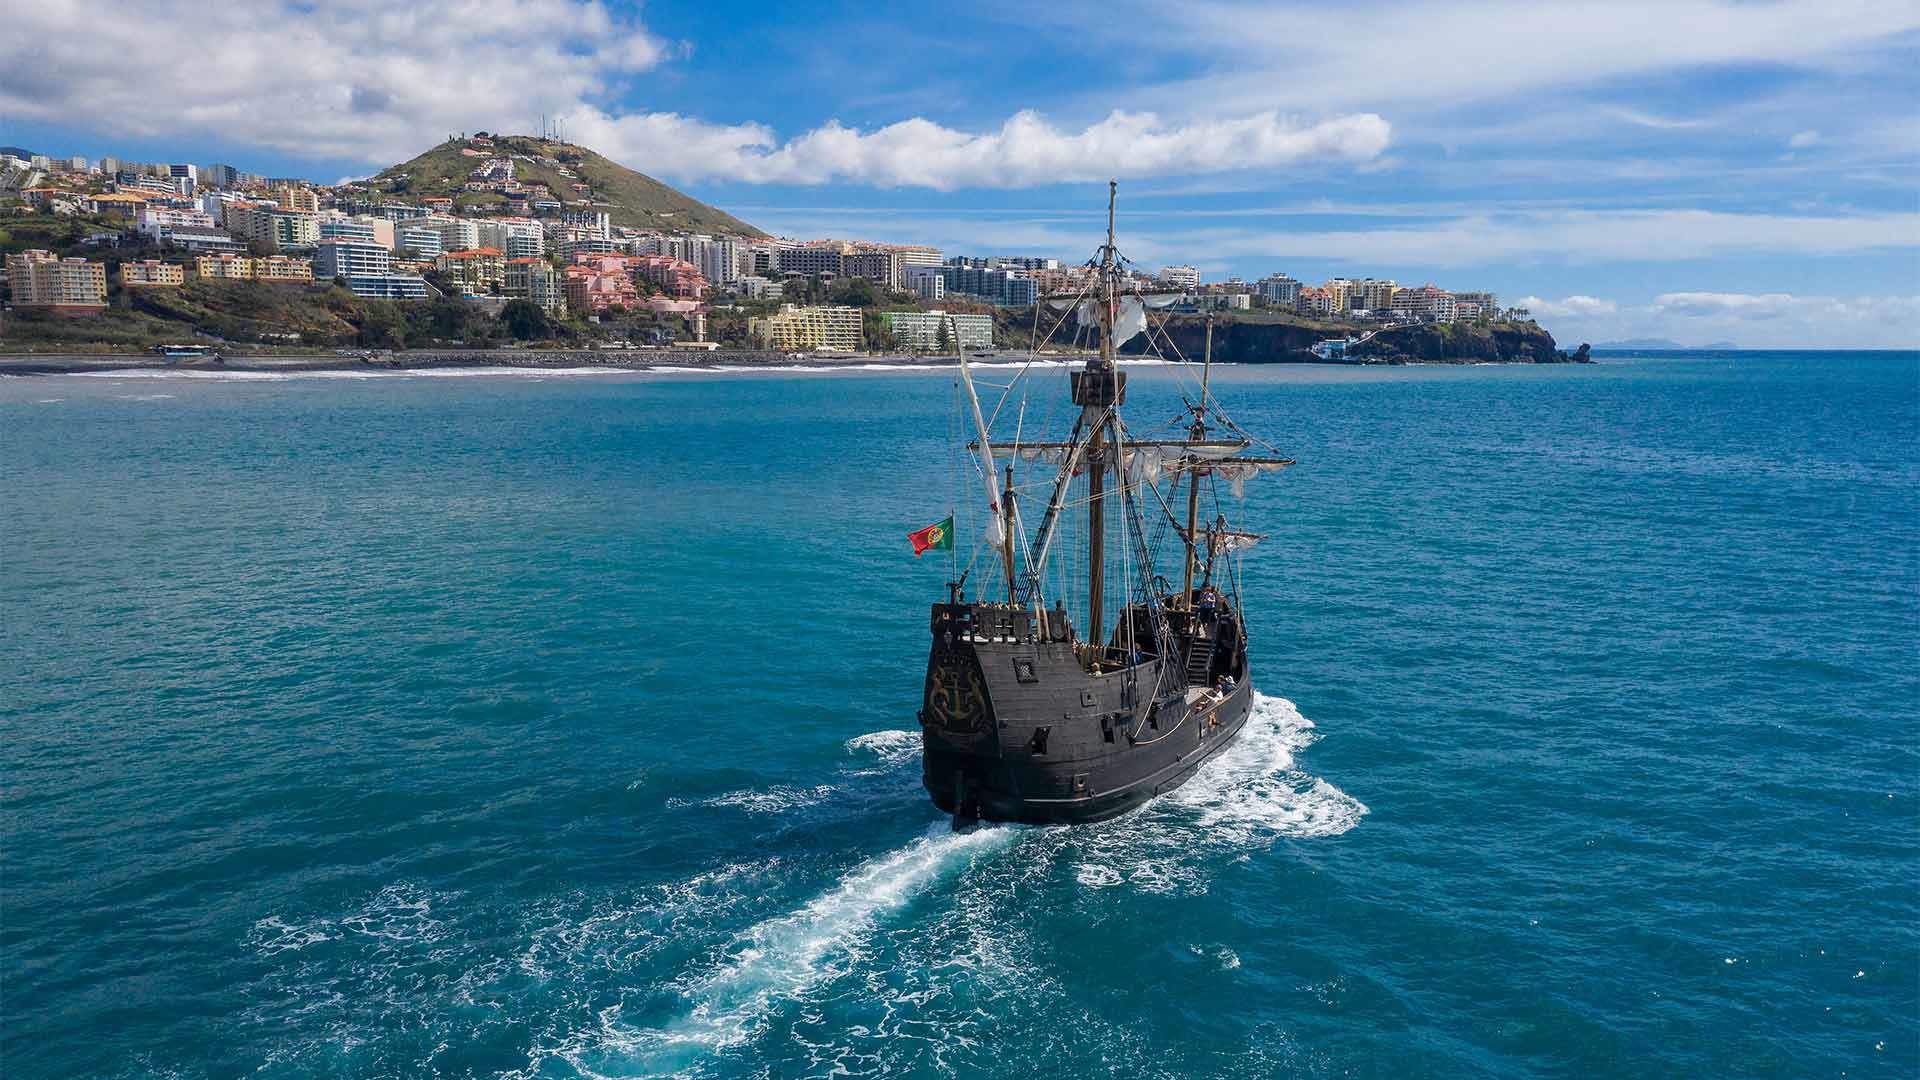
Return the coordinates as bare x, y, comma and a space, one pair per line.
629, 198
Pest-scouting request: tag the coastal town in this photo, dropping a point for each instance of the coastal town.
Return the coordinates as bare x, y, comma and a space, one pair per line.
533, 248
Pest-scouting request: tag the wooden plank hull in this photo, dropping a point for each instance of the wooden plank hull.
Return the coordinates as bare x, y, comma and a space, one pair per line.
1015, 728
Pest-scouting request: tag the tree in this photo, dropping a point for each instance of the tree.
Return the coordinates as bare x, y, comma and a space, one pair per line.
382, 326
525, 320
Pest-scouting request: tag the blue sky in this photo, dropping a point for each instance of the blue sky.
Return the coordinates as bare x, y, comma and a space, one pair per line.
1693, 169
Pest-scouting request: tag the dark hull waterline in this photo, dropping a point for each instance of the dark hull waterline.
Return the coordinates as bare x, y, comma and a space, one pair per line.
1007, 806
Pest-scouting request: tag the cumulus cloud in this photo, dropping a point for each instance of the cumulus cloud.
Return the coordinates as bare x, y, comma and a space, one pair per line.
1572, 305
1024, 151
353, 79
370, 81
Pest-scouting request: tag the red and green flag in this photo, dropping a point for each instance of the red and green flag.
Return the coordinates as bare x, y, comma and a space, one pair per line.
937, 536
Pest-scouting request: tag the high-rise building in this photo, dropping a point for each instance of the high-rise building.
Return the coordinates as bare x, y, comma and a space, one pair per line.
39, 279
303, 199
535, 280
880, 266
517, 238
810, 259
1474, 304
1427, 303
914, 255
277, 229
1186, 277
800, 329
1278, 289
927, 282
1374, 294
927, 331
1339, 293
478, 272
350, 259
419, 242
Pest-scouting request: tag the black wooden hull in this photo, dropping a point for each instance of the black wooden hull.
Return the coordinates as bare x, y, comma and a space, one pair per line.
1016, 727
997, 795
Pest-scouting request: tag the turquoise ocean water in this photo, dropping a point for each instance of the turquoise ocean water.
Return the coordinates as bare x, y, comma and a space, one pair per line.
503, 725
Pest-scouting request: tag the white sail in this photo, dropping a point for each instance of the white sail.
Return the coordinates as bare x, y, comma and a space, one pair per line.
1129, 317
1222, 541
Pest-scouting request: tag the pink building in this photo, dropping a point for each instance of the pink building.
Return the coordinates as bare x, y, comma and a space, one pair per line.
597, 282
681, 279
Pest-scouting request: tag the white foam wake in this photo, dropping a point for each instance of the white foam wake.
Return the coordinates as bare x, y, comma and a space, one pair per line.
781, 959
1246, 799
778, 799
891, 747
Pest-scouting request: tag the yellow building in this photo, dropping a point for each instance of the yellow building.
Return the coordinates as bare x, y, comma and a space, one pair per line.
39, 279
148, 272
798, 329
224, 267
282, 268
303, 199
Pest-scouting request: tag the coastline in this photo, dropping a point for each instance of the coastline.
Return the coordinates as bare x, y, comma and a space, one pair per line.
574, 361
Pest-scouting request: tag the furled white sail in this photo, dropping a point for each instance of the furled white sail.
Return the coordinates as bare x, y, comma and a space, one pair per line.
1129, 317
1222, 541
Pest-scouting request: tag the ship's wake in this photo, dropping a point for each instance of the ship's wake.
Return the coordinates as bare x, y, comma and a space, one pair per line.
1248, 798
780, 960
918, 958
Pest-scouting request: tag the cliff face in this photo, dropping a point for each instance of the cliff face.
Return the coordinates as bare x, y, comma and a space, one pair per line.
1241, 342
1523, 343
1238, 342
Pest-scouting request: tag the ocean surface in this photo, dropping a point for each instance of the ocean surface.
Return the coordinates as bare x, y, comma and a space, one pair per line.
563, 725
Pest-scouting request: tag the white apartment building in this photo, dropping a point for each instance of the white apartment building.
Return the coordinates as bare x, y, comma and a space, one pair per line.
351, 259
921, 331
515, 238
1186, 277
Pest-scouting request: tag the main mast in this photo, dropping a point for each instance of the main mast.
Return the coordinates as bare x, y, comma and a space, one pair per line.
1194, 434
1097, 390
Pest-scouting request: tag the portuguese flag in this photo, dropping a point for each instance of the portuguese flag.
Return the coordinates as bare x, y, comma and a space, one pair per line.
938, 535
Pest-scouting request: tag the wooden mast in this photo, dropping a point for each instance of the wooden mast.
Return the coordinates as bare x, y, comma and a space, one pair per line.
1197, 432
1097, 452
1006, 549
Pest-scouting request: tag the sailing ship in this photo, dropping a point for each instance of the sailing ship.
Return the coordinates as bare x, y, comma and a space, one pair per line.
1032, 714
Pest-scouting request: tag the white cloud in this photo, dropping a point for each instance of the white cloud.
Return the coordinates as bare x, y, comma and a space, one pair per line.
1755, 320
1725, 305
1804, 138
1572, 305
1025, 151
1649, 120
1486, 49
354, 79
370, 81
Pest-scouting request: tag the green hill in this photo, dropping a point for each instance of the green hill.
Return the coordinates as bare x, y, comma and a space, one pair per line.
630, 198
